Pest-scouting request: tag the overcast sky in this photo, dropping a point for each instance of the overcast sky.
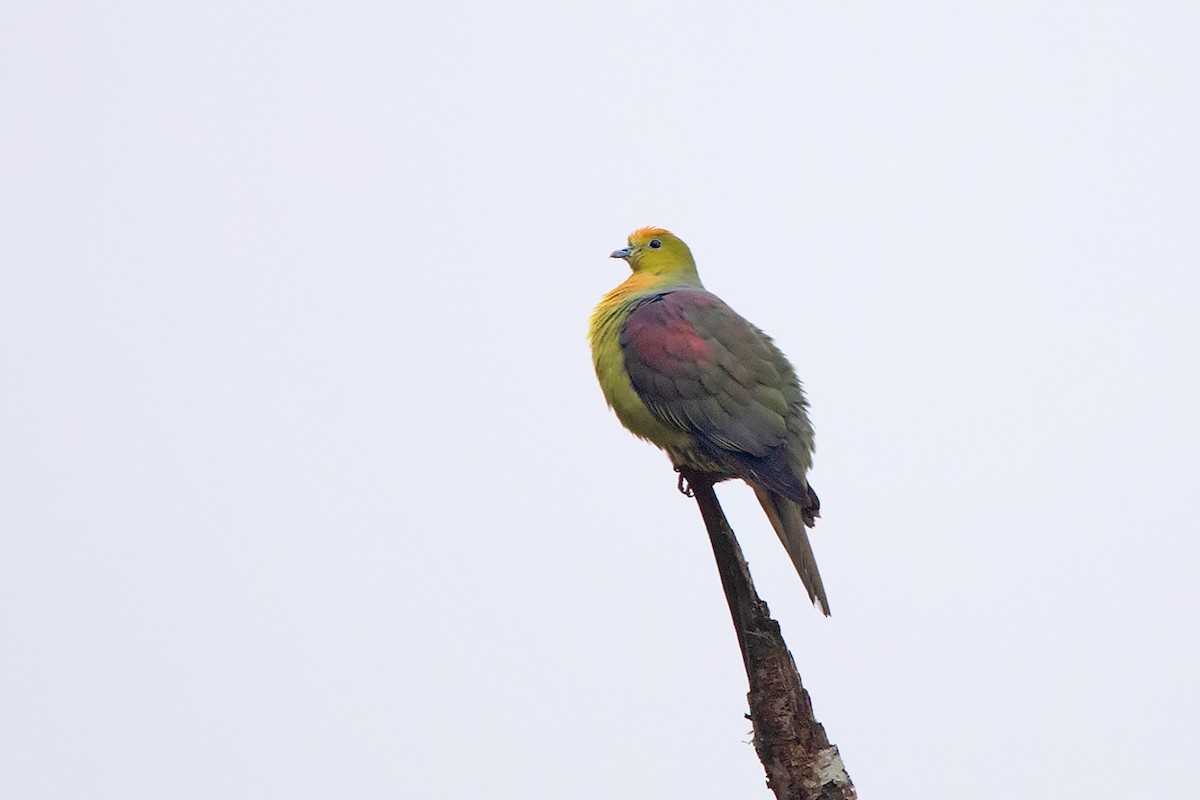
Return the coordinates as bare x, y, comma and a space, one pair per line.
307, 489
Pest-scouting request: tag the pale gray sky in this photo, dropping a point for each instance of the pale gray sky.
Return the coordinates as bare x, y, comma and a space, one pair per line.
307, 490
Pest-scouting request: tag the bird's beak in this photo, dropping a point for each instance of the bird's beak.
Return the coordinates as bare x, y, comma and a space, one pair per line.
624, 252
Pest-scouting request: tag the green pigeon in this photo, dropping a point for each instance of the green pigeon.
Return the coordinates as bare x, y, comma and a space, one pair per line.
686, 372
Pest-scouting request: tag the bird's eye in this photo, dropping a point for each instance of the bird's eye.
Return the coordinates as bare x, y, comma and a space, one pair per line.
655, 244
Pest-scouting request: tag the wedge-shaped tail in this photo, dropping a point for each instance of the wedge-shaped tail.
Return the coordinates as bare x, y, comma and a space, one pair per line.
787, 518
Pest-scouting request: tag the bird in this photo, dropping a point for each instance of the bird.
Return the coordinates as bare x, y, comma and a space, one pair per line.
684, 371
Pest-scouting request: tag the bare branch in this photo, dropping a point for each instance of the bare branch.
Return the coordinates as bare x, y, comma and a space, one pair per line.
800, 762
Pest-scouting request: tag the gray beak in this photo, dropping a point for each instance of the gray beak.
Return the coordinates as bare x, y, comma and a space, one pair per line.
624, 252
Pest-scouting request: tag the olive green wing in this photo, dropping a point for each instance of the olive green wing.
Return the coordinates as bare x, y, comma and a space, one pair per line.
701, 368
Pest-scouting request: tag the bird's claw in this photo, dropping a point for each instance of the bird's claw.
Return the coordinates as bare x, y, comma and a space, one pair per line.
684, 487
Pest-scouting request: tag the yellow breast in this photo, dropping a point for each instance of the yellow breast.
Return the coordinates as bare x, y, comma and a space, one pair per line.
605, 336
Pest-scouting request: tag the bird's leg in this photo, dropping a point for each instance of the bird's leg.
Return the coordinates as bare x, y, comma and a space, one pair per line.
690, 478
684, 487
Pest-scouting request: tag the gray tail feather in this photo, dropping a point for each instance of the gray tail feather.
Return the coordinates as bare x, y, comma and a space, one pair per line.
787, 518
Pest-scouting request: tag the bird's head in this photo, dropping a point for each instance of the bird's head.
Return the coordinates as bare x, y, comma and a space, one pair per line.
657, 251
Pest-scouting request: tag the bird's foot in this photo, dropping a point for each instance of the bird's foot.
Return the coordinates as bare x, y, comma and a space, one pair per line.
684, 487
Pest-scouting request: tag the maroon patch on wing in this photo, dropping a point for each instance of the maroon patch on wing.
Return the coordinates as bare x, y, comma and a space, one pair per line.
662, 338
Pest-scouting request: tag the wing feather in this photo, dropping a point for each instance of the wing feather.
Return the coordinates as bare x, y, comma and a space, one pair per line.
703, 369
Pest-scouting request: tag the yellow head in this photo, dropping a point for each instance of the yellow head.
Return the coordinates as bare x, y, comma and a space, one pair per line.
657, 251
